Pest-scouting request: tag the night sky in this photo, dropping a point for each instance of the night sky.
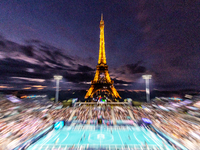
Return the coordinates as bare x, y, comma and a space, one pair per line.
41, 38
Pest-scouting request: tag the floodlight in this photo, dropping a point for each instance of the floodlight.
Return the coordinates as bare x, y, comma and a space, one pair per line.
147, 77
57, 78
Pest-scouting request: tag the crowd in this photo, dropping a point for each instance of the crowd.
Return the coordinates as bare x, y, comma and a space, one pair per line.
60, 114
121, 113
104, 112
8, 108
82, 113
173, 125
16, 130
20, 121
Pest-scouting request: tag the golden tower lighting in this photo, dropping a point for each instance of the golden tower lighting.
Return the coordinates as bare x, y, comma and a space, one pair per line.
102, 78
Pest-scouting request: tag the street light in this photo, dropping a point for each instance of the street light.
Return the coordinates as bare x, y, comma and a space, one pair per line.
57, 78
147, 77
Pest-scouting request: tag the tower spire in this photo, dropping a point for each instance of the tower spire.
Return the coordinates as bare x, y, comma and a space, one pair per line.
102, 54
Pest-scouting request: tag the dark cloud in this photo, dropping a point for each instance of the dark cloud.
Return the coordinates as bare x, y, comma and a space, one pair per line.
2, 44
17, 68
79, 77
131, 68
135, 68
116, 81
28, 50
82, 68
37, 62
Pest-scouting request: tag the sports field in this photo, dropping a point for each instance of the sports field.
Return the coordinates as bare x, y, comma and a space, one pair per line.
100, 137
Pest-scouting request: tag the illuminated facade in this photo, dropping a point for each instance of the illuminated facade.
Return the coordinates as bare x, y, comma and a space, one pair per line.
102, 81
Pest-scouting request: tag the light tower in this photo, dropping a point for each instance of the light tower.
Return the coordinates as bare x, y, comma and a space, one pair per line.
57, 78
147, 77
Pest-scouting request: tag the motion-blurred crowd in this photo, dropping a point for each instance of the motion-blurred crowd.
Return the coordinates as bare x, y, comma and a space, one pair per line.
173, 124
22, 120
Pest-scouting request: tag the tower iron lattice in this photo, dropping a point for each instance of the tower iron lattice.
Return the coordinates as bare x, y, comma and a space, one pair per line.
102, 80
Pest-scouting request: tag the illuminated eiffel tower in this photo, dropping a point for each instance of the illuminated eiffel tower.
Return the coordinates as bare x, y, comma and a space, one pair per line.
102, 81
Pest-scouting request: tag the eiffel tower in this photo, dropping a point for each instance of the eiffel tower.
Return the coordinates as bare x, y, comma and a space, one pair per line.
102, 81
